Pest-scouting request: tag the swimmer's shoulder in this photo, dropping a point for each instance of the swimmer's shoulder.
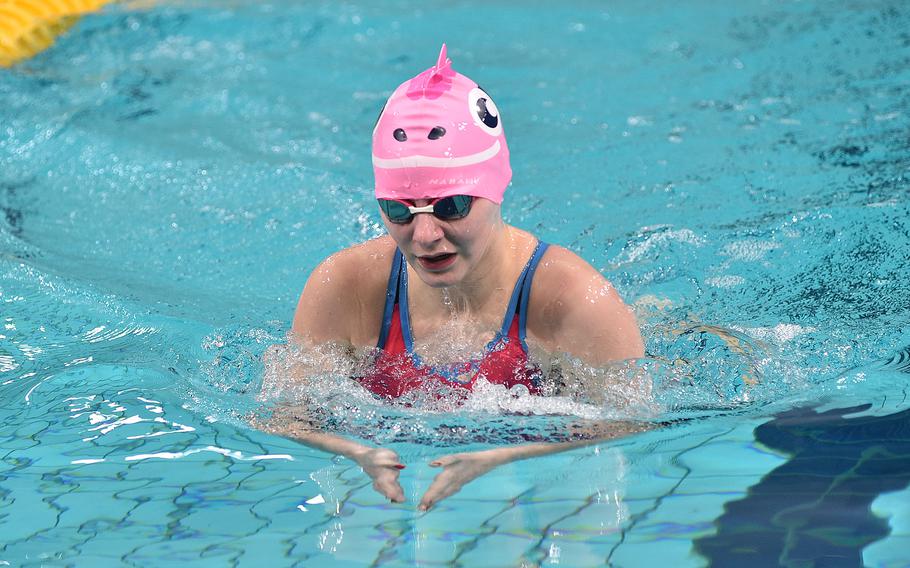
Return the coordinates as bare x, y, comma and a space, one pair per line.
360, 263
559, 269
573, 308
344, 295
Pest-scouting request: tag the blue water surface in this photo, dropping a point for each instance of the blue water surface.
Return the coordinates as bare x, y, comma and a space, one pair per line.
170, 173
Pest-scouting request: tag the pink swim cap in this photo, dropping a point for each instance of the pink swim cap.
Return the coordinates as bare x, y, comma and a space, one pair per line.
440, 135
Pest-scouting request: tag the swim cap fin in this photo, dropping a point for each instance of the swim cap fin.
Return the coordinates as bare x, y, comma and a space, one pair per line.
443, 58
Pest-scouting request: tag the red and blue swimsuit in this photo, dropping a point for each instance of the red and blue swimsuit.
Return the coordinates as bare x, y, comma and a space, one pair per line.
398, 370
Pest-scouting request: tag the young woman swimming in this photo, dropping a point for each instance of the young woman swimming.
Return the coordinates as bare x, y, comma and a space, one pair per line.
450, 266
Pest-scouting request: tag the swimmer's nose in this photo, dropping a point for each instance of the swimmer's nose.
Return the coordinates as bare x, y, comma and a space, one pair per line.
426, 229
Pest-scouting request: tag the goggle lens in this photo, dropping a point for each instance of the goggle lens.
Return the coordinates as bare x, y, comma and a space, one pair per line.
396, 211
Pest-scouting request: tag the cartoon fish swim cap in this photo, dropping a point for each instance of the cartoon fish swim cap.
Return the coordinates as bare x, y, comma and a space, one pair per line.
440, 135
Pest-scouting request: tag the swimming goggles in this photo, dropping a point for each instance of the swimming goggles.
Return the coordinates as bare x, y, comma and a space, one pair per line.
445, 208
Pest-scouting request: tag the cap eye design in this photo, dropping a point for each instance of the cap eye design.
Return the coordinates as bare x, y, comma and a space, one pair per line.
400, 135
488, 116
484, 112
437, 133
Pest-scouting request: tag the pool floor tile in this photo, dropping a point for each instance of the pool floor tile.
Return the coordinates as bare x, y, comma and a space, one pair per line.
177, 551
498, 550
83, 510
574, 553
223, 520
263, 549
602, 520
530, 519
671, 552
895, 507
891, 552
114, 544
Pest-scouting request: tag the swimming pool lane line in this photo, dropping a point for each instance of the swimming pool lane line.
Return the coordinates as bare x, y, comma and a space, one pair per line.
28, 27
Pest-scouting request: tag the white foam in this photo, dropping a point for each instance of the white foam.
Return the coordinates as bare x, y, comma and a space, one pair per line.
726, 281
330, 399
748, 250
779, 334
658, 240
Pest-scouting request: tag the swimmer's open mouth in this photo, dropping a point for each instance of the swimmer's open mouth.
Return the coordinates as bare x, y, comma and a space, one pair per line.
437, 261
418, 161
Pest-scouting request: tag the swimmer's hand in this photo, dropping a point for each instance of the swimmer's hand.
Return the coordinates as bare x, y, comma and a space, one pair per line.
460, 469
457, 471
383, 466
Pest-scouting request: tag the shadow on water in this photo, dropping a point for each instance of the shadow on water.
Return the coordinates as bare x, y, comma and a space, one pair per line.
815, 509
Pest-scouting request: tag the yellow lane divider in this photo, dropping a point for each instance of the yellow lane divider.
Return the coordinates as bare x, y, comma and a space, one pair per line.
28, 27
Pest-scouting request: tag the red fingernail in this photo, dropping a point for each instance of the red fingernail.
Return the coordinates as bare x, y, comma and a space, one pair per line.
398, 466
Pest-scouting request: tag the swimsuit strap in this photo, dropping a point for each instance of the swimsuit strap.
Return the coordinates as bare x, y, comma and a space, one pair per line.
397, 294
403, 311
391, 297
521, 296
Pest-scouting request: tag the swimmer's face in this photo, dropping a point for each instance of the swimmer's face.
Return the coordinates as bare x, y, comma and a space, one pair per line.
444, 253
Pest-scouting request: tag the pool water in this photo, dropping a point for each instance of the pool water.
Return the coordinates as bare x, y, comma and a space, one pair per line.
170, 173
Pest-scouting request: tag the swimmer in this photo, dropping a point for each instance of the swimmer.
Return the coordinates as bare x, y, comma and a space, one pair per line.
451, 267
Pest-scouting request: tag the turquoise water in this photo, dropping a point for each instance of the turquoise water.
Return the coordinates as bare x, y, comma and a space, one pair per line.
169, 176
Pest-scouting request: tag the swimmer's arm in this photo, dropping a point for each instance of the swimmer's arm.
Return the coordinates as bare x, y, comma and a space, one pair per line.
459, 469
381, 464
296, 422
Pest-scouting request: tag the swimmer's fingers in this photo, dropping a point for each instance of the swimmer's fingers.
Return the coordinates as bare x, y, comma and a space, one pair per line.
458, 470
383, 466
386, 484
446, 461
443, 486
